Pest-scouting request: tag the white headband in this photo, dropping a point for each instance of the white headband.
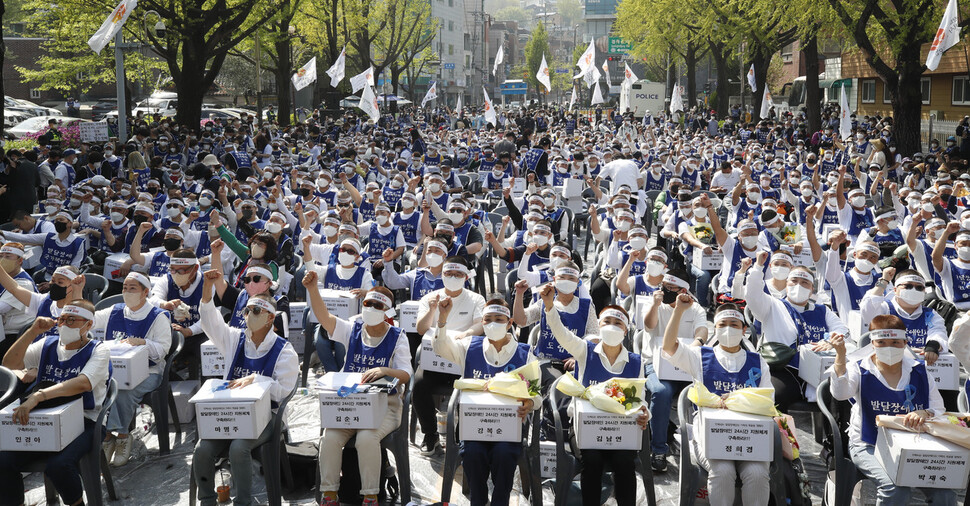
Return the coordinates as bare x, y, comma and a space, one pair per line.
437, 244
455, 267
65, 271
747, 226
541, 228
6, 248
674, 280
567, 271
802, 275
636, 230
497, 309
779, 255
728, 313
262, 271
887, 214
910, 278
868, 247
144, 209
260, 303
140, 278
657, 254
887, 334
66, 215
175, 231
444, 227
182, 262
351, 242
379, 297
615, 313
77, 311
561, 249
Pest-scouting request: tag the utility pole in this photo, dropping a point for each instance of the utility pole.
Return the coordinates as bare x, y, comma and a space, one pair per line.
259, 84
741, 57
120, 86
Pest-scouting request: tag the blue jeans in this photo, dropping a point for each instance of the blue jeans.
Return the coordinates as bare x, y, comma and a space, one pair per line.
481, 459
888, 494
61, 468
327, 351
662, 393
702, 284
240, 460
123, 410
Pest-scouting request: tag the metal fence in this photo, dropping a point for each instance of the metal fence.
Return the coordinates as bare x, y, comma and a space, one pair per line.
936, 129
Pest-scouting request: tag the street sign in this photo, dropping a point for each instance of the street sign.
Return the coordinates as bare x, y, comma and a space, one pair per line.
618, 45
562, 71
449, 66
514, 88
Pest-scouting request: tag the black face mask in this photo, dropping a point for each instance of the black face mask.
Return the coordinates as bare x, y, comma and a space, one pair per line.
247, 214
139, 219
60, 227
305, 192
57, 292
153, 191
172, 244
669, 295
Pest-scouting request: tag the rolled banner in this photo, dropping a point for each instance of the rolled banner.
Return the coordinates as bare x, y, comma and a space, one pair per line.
751, 400
948, 426
611, 396
521, 383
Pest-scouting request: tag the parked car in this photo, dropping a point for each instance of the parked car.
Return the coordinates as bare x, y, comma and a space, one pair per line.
161, 102
28, 108
39, 123
208, 114
103, 107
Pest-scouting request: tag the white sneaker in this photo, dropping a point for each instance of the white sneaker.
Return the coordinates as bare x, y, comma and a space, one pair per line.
122, 451
108, 447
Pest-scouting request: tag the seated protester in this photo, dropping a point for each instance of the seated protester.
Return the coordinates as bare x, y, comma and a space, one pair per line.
275, 226
144, 213
62, 247
465, 319
180, 293
597, 362
346, 273
435, 191
174, 214
880, 379
66, 284
376, 349
408, 220
257, 280
422, 280
559, 254
154, 263
368, 203
745, 201
691, 326
925, 330
921, 248
701, 216
620, 251
804, 199
459, 217
247, 221
69, 366
113, 227
953, 272
395, 189
792, 321
854, 216
723, 369
848, 287
138, 323
735, 249
12, 318
482, 357
254, 354
382, 234
539, 242
575, 311
649, 281
496, 178
445, 233
886, 234
260, 248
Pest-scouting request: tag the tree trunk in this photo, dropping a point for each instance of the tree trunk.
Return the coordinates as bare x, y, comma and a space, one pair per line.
723, 87
192, 80
907, 100
690, 61
671, 77
3, 51
813, 94
761, 60
284, 68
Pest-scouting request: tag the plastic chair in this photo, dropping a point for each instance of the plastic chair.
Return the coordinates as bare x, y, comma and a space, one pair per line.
109, 301
161, 399
309, 334
962, 404
8, 382
268, 455
93, 464
693, 475
527, 464
95, 286
845, 474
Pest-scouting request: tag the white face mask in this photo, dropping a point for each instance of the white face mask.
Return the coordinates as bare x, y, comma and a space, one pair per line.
728, 336
434, 259
495, 331
117, 217
346, 259
434, 187
257, 250
273, 227
205, 201
780, 272
964, 253
407, 204
132, 299
912, 296
173, 212
456, 217
623, 225
548, 201
749, 241
453, 284
929, 208
754, 196
864, 265
372, 316
382, 220
858, 201
638, 243
890, 355
798, 294
555, 262
566, 286
655, 268
893, 224
612, 335
182, 279
541, 240
67, 335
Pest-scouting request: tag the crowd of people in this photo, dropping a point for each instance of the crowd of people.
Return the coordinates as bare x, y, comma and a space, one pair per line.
716, 245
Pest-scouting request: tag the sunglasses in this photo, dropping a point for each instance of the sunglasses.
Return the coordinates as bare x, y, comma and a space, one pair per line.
256, 310
345, 204
912, 286
252, 279
172, 206
374, 304
348, 250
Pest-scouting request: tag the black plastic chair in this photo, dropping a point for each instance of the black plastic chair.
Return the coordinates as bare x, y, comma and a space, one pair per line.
567, 463
95, 287
528, 463
310, 330
268, 454
109, 301
8, 383
93, 464
844, 473
162, 402
691, 474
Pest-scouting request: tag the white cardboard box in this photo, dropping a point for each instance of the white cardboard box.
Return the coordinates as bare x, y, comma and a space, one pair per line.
431, 361
729, 435
213, 363
922, 460
946, 372
596, 429
484, 416
711, 262
408, 314
238, 413
296, 315
354, 411
340, 304
112, 266
666, 370
182, 391
129, 364
640, 309
547, 459
812, 364
48, 430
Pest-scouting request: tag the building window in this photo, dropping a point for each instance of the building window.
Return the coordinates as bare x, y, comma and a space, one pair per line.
34, 93
925, 87
451, 49
868, 91
886, 97
786, 53
451, 26
451, 3
961, 91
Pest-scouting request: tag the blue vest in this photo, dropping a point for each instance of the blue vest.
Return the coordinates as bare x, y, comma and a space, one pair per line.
858, 223
378, 242
257, 225
655, 183
532, 159
361, 357
424, 283
367, 210
54, 370
192, 300
809, 324
392, 196
55, 255
856, 291
594, 372
877, 399
45, 310
476, 367
159, 265
916, 328
892, 239
961, 282
640, 286
242, 366
242, 159
547, 346
332, 282
119, 327
409, 226
719, 381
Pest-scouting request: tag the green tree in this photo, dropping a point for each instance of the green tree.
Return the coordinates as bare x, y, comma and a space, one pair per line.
513, 13
535, 48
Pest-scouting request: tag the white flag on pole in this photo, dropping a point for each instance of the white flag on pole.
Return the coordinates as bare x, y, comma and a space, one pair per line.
111, 25
305, 74
628, 76
597, 95
543, 75
592, 76
572, 100
606, 72
676, 100
766, 103
845, 122
458, 107
751, 80
499, 58
946, 36
365, 78
432, 93
336, 72
587, 59
368, 103
489, 110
